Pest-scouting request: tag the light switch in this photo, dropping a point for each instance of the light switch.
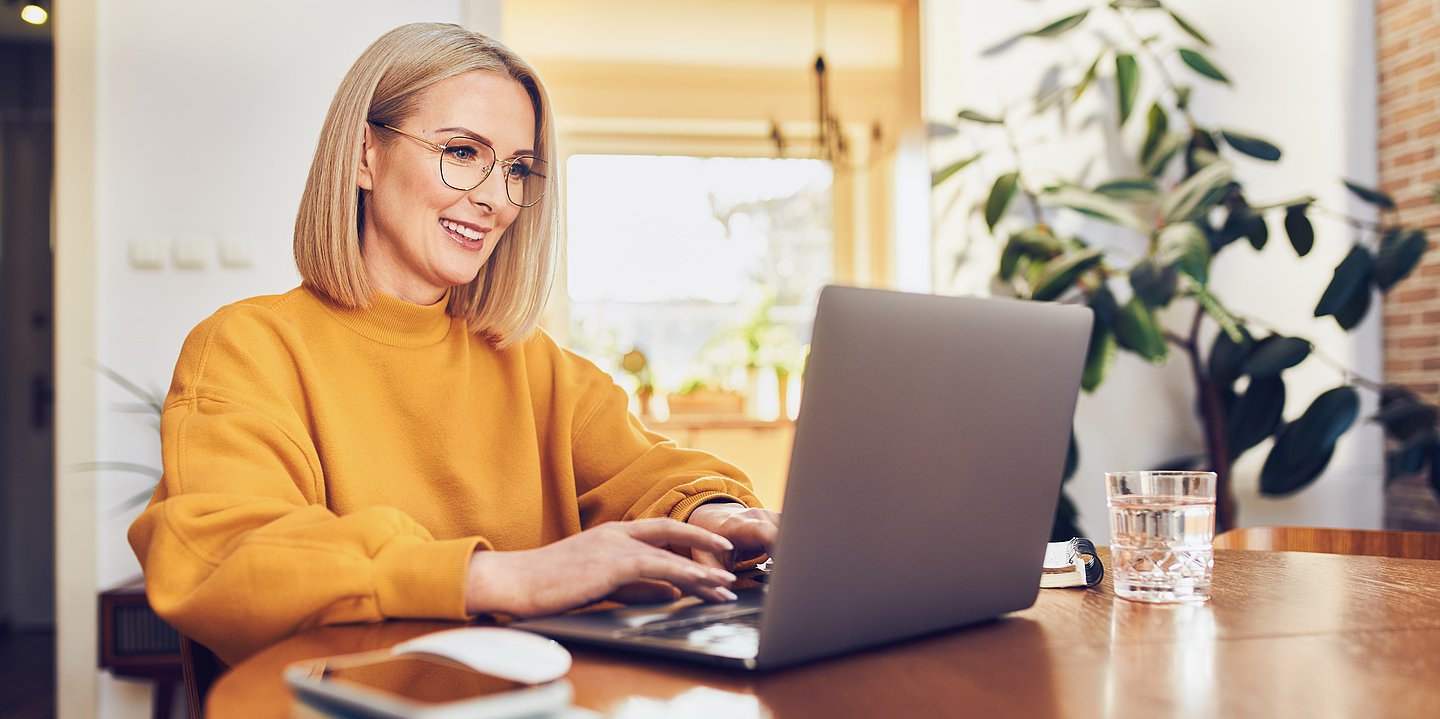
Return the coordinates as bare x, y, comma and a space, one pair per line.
236, 251
190, 252
147, 252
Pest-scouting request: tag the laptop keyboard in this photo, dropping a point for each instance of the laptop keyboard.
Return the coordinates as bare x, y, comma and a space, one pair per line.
737, 630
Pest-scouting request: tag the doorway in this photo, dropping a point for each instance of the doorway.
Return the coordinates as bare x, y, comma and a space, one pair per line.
27, 439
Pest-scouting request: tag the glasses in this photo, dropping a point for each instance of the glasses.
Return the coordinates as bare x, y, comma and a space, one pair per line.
465, 162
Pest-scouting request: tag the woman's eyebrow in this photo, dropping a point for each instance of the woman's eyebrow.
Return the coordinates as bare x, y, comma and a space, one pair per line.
471, 133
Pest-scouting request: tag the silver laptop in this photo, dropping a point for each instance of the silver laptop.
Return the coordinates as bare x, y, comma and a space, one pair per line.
924, 477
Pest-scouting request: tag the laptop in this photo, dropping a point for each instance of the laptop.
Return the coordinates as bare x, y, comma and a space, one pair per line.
923, 481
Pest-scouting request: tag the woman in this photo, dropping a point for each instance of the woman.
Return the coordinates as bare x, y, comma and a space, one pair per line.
395, 438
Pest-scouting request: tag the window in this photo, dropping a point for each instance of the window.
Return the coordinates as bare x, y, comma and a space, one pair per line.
708, 265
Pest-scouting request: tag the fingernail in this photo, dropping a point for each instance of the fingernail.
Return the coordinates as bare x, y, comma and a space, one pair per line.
725, 543
724, 575
726, 593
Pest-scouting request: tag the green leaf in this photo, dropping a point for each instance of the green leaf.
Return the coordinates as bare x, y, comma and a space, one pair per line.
1094, 204
1304, 447
1098, 357
1408, 458
1254, 228
1089, 74
1184, 245
1228, 355
1274, 355
1139, 331
1158, 124
1216, 310
944, 173
1252, 146
1255, 415
1350, 316
1349, 289
1127, 79
1169, 146
1298, 227
1404, 415
1371, 195
1188, 28
1131, 189
979, 117
1201, 151
1000, 195
1061, 26
1135, 4
1199, 63
1192, 198
1062, 273
1153, 283
1400, 251
1102, 303
1033, 242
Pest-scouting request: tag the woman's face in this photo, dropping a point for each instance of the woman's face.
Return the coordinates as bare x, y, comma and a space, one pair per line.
418, 235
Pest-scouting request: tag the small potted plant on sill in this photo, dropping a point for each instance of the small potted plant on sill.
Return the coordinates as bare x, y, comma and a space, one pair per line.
637, 365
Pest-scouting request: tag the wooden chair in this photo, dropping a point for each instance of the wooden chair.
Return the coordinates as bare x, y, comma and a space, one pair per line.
1366, 542
201, 668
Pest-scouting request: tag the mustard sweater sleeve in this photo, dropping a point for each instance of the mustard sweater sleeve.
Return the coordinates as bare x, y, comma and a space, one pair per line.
237, 544
625, 471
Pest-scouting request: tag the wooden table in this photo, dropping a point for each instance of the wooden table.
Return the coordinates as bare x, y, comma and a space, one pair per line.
1284, 635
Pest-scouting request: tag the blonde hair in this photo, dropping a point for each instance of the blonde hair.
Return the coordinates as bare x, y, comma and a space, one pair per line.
503, 303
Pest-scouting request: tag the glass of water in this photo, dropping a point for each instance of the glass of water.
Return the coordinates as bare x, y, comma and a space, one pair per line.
1162, 526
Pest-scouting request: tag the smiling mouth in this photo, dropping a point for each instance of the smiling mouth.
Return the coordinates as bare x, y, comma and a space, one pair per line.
465, 235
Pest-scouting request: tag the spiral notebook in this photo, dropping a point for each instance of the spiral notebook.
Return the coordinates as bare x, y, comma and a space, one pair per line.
1071, 564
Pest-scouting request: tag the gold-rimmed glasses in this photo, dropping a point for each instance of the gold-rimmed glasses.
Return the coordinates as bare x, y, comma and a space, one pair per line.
466, 161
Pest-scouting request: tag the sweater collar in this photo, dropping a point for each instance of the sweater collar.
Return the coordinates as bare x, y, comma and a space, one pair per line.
393, 321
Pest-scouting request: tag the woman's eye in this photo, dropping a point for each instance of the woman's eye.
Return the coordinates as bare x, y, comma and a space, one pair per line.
519, 170
463, 154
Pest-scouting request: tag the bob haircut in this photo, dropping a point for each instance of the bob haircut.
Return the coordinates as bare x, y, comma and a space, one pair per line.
504, 301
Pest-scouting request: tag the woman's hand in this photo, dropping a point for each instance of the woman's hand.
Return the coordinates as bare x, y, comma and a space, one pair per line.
752, 531
625, 559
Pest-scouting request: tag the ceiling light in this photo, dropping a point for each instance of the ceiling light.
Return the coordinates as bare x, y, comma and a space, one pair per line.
34, 14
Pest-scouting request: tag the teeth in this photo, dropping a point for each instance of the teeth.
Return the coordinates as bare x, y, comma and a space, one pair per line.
462, 230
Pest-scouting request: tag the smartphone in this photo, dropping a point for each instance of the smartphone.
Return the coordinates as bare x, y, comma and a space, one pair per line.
418, 686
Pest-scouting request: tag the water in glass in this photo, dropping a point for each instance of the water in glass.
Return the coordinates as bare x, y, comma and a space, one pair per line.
1161, 547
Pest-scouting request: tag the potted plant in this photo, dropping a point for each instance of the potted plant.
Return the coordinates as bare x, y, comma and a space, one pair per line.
1183, 196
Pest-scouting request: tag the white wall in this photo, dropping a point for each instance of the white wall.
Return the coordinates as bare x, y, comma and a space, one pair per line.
1313, 93
206, 118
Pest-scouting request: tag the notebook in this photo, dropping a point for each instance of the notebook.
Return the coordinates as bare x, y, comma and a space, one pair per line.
924, 476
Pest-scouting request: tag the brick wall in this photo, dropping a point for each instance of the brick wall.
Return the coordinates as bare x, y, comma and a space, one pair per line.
1409, 64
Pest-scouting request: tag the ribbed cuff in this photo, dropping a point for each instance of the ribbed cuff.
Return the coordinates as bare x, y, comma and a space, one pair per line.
681, 511
419, 579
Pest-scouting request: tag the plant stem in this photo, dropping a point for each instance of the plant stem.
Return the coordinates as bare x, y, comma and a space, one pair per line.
1212, 422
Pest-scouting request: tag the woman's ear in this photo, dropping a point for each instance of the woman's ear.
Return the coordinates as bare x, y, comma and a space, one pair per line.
369, 155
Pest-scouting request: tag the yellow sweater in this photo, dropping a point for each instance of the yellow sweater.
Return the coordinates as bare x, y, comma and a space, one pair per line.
325, 465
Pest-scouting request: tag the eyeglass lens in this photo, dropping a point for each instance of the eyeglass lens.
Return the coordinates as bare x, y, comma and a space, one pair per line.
466, 162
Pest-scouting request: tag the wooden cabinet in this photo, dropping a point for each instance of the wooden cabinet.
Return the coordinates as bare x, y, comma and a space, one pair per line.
760, 447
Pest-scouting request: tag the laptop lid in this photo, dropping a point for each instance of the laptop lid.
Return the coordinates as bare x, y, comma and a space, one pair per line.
923, 480
926, 468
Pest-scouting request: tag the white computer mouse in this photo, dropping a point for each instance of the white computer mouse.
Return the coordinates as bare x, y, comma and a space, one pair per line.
508, 653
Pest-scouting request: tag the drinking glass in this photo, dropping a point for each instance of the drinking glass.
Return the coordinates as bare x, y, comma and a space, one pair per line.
1162, 527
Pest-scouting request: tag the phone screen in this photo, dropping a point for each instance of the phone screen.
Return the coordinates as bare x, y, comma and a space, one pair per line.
428, 680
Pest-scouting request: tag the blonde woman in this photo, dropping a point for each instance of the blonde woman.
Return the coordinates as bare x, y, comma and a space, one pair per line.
396, 438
